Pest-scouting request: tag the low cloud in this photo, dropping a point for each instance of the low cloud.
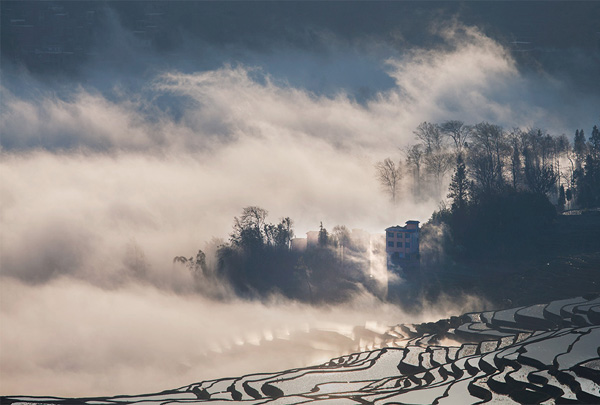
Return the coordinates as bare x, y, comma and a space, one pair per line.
468, 77
101, 188
85, 173
69, 338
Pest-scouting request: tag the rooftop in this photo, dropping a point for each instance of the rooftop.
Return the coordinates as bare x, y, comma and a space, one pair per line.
403, 228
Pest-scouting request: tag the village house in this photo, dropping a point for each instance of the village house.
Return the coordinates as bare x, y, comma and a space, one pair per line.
402, 243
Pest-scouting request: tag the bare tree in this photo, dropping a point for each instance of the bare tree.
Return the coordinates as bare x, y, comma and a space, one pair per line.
437, 161
540, 177
430, 136
458, 132
516, 168
438, 164
486, 157
341, 235
414, 159
562, 146
482, 171
342, 238
389, 176
249, 229
283, 233
542, 145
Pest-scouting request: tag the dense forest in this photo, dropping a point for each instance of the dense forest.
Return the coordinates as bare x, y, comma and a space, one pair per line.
506, 188
488, 160
521, 218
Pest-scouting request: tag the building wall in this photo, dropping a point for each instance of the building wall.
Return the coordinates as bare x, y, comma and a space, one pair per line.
312, 238
299, 244
403, 240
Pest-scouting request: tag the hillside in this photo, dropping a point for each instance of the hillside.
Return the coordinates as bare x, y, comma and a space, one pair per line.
566, 264
545, 352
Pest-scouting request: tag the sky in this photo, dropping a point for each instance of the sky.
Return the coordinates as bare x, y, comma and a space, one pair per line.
158, 123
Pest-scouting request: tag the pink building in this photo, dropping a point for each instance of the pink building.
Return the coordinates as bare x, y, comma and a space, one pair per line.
402, 242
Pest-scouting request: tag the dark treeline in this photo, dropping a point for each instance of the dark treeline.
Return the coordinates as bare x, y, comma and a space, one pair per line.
505, 190
259, 262
506, 186
498, 160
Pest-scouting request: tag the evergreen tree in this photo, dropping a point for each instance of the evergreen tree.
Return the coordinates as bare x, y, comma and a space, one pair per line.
587, 174
561, 198
569, 197
323, 236
459, 186
579, 148
589, 184
594, 143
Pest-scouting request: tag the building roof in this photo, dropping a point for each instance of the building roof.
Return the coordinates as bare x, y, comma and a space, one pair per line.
400, 228
403, 228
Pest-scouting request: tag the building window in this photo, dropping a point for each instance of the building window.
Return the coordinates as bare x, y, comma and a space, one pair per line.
407, 245
407, 235
390, 244
390, 234
399, 235
398, 244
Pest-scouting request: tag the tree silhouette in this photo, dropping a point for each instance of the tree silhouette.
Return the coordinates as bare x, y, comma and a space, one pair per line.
579, 148
561, 198
486, 157
539, 176
459, 186
389, 176
323, 236
430, 136
458, 132
249, 230
414, 159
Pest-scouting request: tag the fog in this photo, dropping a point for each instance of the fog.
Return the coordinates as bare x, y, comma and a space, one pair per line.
71, 338
106, 178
